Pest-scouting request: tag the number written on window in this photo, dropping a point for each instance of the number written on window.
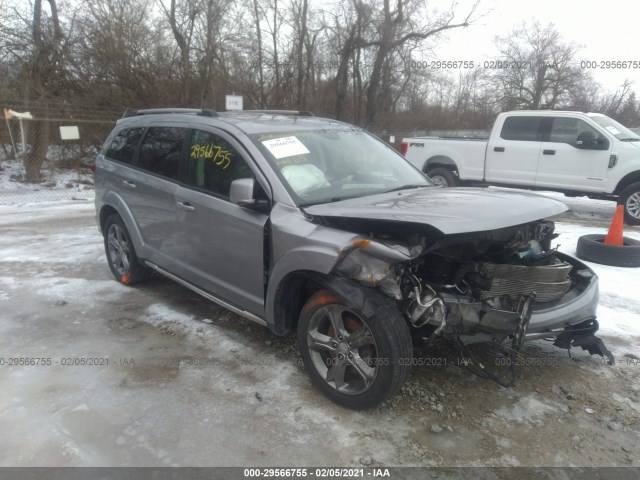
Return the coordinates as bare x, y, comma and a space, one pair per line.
217, 154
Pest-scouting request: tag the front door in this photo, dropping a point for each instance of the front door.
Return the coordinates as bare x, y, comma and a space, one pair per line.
563, 165
222, 243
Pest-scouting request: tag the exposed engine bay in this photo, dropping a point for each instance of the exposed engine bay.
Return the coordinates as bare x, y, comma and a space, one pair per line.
481, 287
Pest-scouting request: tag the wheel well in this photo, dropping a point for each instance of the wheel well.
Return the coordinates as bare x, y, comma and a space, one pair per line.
633, 177
439, 161
105, 213
293, 292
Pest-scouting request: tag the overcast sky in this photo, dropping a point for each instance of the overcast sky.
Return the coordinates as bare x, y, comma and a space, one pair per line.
606, 30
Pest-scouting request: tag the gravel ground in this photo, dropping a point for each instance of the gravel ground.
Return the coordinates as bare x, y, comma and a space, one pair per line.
191, 384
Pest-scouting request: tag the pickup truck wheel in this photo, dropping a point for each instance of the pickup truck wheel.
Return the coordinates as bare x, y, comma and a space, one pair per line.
358, 362
121, 256
630, 198
592, 248
443, 177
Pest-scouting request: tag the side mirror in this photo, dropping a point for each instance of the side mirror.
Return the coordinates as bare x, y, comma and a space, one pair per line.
586, 140
602, 143
241, 193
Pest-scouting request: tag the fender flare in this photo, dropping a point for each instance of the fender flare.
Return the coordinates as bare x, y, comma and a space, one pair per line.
439, 160
307, 262
115, 201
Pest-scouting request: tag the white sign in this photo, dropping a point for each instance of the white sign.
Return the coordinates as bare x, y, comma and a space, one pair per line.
69, 133
613, 130
285, 147
233, 102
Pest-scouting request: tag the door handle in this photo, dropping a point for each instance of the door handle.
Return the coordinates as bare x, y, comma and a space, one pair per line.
498, 149
186, 206
128, 184
548, 152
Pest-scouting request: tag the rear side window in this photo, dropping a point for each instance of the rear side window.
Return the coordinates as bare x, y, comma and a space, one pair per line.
161, 151
123, 146
214, 163
528, 129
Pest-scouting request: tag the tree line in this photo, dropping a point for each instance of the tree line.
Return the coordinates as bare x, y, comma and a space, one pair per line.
353, 60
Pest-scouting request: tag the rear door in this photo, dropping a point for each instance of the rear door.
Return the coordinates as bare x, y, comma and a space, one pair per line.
221, 243
563, 165
512, 156
150, 191
122, 150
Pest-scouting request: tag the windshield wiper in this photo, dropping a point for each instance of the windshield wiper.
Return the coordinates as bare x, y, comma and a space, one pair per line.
407, 187
630, 139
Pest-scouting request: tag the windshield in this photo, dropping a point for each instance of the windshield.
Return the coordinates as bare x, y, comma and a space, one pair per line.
618, 130
322, 166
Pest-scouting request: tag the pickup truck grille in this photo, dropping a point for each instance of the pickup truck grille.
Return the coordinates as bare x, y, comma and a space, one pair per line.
549, 282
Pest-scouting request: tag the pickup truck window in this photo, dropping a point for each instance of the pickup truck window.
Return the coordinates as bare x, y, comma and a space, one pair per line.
567, 130
527, 129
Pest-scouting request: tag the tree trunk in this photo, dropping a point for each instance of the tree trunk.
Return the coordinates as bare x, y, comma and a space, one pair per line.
276, 67
37, 134
342, 76
261, 101
300, 48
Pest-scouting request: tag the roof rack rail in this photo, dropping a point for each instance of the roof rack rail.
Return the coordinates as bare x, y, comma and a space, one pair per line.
281, 112
205, 112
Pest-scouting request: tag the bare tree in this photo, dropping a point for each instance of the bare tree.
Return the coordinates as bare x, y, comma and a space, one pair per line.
121, 59
257, 16
182, 19
539, 68
41, 56
394, 30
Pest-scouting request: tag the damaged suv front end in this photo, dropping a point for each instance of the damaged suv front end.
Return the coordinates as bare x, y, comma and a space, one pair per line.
467, 265
504, 284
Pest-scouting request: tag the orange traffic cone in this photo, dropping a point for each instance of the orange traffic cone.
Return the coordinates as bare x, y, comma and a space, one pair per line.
614, 237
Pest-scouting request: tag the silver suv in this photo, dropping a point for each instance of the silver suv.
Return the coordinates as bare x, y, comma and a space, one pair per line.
314, 226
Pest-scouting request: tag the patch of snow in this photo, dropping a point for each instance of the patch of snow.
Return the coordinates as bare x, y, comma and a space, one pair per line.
526, 410
77, 290
70, 248
55, 184
31, 210
619, 306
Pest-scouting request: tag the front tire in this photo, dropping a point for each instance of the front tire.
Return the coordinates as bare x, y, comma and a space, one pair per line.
121, 256
357, 361
630, 198
443, 177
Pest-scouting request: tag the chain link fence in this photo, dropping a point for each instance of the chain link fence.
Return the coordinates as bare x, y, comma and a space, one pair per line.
49, 156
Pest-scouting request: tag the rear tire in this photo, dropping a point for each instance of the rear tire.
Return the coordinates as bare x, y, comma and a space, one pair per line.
443, 177
121, 256
593, 249
357, 362
630, 198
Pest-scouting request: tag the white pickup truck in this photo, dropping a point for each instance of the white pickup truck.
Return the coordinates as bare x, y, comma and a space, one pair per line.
570, 152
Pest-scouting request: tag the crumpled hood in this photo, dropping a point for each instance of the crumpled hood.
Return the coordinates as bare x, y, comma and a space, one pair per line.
450, 210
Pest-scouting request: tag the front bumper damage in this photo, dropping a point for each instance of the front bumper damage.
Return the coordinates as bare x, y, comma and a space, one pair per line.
569, 318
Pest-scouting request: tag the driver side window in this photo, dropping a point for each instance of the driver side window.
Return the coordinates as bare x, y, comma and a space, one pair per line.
567, 130
214, 163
